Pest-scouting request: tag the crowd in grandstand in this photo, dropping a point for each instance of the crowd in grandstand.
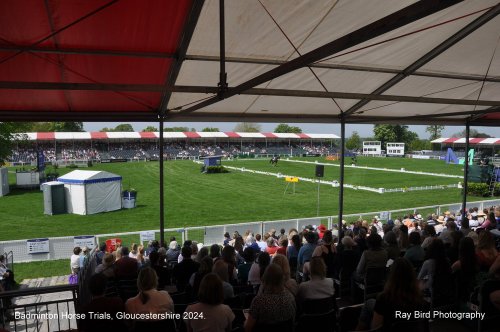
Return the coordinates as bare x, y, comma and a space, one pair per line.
254, 281
150, 150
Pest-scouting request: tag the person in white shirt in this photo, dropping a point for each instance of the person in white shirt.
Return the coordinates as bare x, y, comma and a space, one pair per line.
262, 244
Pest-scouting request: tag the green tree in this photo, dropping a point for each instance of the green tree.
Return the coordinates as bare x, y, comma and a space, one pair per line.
124, 127
247, 127
472, 133
210, 129
9, 133
176, 129
354, 142
394, 133
67, 126
419, 145
150, 129
285, 128
434, 131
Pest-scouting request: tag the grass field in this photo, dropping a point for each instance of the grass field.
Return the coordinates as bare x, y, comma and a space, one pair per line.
193, 199
354, 176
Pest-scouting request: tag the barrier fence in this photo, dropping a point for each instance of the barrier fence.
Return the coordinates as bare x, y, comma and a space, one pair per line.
62, 247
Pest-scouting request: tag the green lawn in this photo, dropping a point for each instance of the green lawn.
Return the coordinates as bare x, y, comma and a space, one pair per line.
40, 269
420, 165
355, 176
195, 199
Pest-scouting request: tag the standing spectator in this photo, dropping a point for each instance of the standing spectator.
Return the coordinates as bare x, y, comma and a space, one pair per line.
306, 251
271, 248
133, 251
257, 269
375, 256
283, 245
217, 317
173, 251
327, 251
262, 244
244, 269
392, 247
227, 238
107, 267
467, 267
214, 251
126, 267
75, 260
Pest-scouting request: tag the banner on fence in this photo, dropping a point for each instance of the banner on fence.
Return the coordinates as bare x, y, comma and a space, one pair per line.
38, 246
85, 241
147, 236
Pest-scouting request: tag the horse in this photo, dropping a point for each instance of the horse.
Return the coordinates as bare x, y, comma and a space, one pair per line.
274, 160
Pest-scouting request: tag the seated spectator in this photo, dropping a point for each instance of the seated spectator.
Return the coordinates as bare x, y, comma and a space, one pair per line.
75, 260
375, 256
290, 284
202, 253
403, 237
133, 251
149, 299
415, 254
327, 251
306, 251
465, 229
262, 244
205, 268
348, 256
173, 251
229, 257
101, 305
486, 250
274, 304
183, 271
271, 247
467, 268
107, 267
227, 238
428, 234
243, 269
217, 317
318, 287
293, 248
257, 269
361, 240
250, 242
495, 273
401, 293
153, 245
452, 247
436, 266
187, 243
161, 270
392, 247
214, 251
220, 269
126, 267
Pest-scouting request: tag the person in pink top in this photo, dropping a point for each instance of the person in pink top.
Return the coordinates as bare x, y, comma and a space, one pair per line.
149, 300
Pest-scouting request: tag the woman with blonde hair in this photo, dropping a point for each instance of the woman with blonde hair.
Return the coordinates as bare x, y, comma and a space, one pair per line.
149, 299
290, 284
141, 260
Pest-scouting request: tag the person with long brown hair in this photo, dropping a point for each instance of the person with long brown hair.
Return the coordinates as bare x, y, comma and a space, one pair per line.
149, 299
486, 250
209, 314
401, 293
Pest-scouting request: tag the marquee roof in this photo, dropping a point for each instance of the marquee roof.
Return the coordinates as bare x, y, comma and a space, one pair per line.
372, 61
472, 141
96, 135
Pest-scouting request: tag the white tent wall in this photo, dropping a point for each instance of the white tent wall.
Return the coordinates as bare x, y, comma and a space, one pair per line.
103, 197
75, 198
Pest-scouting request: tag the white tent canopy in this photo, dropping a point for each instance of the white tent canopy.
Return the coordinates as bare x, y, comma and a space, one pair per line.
90, 192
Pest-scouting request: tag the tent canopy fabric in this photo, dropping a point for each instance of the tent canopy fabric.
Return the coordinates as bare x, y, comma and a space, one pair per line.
393, 61
169, 135
83, 177
472, 141
90, 192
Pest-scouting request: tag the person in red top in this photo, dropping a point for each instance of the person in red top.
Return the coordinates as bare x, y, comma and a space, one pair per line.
283, 245
271, 247
321, 230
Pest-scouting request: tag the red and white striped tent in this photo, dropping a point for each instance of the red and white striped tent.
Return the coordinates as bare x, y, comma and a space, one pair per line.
472, 141
63, 136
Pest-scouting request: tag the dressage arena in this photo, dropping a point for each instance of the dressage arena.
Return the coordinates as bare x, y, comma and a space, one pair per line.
253, 190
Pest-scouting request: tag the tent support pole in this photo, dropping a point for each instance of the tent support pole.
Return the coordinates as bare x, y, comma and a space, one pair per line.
162, 193
466, 170
342, 161
222, 75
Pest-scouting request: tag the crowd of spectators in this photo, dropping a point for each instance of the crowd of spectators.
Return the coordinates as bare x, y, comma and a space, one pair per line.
96, 151
253, 280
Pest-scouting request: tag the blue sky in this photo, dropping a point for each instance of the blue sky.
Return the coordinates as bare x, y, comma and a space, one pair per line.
363, 130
